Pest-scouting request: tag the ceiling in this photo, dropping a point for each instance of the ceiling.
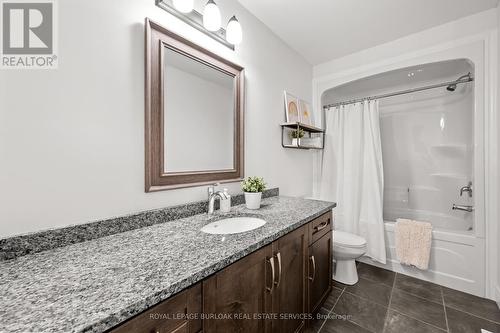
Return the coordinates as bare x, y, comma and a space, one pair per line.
322, 30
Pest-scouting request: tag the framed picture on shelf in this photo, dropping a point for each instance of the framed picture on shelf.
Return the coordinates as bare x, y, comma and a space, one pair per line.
305, 113
291, 108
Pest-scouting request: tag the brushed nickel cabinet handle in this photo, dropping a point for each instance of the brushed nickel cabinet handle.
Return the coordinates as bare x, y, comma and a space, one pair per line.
278, 256
271, 262
322, 226
311, 258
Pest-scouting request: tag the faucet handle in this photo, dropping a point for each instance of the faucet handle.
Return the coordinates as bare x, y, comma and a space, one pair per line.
211, 188
467, 188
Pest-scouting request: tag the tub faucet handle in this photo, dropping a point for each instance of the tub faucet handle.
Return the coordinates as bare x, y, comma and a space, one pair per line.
467, 188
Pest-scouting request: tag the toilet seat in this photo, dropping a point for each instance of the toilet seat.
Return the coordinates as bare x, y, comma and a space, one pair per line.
347, 239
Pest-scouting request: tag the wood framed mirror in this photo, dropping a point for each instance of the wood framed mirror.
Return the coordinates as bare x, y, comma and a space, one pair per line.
194, 113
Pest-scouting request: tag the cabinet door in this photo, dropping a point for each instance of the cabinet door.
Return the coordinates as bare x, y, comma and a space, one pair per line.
237, 298
320, 271
289, 301
179, 314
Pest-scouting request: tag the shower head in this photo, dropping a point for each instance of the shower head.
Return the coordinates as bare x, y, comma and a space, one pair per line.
452, 87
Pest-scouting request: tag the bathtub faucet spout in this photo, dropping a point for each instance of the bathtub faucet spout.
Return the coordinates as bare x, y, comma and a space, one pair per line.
464, 208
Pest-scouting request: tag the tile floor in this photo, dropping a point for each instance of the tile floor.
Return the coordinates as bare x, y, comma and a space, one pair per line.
388, 302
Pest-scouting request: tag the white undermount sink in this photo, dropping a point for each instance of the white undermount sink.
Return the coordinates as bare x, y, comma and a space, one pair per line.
233, 225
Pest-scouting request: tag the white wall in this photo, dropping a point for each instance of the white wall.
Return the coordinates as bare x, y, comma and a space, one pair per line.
72, 139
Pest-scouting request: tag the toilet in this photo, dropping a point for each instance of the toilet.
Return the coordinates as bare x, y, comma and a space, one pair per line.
347, 248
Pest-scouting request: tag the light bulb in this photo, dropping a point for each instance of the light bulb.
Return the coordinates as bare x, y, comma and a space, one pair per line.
211, 16
184, 6
234, 35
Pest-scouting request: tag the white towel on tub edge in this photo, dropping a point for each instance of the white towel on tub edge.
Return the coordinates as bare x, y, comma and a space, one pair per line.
413, 242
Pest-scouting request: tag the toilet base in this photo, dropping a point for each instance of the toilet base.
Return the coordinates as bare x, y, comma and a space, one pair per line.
346, 272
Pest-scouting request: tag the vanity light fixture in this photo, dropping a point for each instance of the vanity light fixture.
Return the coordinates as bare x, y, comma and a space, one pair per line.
209, 22
184, 6
234, 34
211, 16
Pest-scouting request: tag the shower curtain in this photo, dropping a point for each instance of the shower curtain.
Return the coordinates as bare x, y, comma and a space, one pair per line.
352, 173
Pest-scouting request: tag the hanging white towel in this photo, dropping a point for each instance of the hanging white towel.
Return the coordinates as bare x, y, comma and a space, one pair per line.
413, 242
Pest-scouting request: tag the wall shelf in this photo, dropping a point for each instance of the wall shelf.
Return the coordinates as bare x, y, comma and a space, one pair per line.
310, 130
301, 147
307, 128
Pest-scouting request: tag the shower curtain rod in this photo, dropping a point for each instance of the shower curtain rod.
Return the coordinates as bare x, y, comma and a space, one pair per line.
402, 92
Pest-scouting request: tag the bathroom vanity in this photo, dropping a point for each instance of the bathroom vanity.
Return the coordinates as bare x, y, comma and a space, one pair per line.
167, 276
261, 292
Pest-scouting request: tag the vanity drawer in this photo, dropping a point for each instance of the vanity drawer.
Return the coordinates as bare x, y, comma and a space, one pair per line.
180, 313
320, 227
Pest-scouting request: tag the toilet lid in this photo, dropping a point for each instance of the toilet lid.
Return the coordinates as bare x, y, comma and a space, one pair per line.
348, 239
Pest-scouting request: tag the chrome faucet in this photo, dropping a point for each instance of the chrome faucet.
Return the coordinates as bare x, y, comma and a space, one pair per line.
467, 188
212, 195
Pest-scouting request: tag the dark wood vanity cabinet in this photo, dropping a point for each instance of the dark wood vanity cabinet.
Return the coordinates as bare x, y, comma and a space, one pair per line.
320, 268
320, 226
270, 290
320, 258
279, 284
289, 299
234, 296
261, 291
179, 314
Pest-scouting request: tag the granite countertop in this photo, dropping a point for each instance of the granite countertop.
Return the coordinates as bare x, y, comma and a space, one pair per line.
95, 285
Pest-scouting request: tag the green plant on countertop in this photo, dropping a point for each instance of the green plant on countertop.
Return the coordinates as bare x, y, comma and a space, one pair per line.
297, 133
253, 184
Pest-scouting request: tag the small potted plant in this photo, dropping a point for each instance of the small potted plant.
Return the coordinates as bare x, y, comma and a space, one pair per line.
296, 135
253, 187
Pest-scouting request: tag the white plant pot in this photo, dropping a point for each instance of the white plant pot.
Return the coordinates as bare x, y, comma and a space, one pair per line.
252, 200
295, 142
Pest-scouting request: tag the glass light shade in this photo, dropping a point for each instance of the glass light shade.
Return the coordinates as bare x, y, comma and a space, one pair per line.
184, 6
211, 16
234, 34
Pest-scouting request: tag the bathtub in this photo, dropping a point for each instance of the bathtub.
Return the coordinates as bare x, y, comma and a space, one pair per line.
457, 259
